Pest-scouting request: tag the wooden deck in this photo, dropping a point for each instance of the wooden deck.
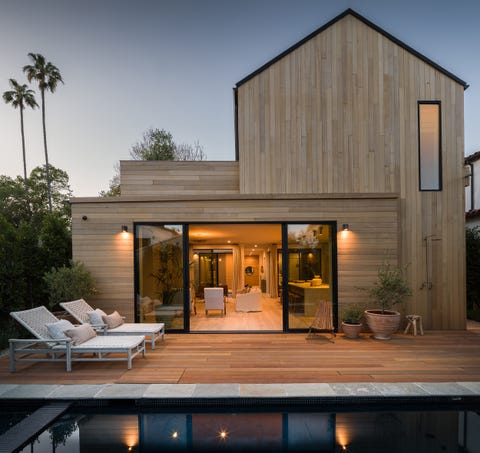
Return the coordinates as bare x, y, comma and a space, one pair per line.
276, 358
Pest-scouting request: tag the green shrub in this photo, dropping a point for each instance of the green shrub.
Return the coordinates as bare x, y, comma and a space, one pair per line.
10, 329
473, 272
69, 283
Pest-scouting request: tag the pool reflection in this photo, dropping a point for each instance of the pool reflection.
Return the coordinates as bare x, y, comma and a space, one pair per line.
400, 431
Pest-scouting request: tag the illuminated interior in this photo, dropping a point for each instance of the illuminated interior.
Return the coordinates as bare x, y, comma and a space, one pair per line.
247, 261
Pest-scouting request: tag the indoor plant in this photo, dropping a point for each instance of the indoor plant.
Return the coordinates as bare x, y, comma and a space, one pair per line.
389, 290
352, 320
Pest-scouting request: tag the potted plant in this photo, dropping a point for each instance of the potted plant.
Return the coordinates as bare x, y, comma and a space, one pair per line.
389, 290
352, 320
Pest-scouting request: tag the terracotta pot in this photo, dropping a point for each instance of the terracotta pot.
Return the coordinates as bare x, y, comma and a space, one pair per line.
383, 325
351, 330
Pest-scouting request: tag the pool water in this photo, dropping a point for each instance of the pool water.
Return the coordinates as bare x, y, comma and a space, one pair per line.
118, 429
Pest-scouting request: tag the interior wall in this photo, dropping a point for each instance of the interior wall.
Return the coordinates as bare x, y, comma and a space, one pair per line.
252, 280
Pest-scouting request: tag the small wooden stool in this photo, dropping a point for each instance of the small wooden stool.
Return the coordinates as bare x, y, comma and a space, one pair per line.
414, 321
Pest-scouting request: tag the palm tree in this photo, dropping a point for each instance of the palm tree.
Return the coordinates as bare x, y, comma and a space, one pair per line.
20, 97
48, 77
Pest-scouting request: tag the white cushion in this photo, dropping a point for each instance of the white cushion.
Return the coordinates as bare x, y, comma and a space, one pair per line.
56, 329
113, 320
95, 317
80, 334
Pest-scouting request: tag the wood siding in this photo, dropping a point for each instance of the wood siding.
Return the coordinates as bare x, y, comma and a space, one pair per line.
339, 115
108, 253
146, 178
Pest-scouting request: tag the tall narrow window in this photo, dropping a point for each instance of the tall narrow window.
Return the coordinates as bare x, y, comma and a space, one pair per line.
429, 145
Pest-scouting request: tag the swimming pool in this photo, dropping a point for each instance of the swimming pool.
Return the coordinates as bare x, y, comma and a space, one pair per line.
119, 428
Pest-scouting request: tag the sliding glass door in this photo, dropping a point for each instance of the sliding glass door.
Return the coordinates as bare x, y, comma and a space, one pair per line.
309, 269
273, 275
160, 275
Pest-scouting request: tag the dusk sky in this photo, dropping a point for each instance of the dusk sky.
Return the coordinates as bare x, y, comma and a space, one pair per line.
172, 64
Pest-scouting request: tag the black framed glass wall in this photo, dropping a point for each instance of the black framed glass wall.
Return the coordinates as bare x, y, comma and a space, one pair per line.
284, 268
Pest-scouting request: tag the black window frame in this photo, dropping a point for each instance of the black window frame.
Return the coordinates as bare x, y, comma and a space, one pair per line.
284, 250
440, 147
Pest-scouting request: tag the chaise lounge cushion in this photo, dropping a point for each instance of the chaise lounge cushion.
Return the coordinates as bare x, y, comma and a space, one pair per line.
56, 330
112, 320
95, 317
81, 334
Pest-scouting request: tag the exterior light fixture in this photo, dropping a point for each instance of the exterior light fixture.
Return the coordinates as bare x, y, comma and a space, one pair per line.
124, 228
345, 227
84, 217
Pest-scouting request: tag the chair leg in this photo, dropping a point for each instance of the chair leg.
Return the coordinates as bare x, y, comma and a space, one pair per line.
69, 357
12, 356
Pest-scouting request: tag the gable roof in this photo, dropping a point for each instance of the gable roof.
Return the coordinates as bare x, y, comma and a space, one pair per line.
472, 158
371, 25
472, 214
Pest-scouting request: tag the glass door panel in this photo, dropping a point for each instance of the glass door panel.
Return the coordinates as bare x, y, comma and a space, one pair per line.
159, 254
309, 272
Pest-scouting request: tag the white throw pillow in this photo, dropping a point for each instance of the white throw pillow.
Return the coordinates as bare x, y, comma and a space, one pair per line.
80, 334
56, 329
113, 320
95, 317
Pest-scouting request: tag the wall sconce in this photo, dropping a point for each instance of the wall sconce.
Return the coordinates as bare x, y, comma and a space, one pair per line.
84, 217
124, 228
345, 227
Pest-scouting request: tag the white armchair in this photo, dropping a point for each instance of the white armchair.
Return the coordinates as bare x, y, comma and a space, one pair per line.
214, 300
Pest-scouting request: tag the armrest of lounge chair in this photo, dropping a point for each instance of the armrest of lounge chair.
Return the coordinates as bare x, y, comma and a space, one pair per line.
99, 328
47, 341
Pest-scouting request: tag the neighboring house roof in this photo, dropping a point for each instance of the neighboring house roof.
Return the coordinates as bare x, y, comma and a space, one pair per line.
472, 158
473, 213
370, 24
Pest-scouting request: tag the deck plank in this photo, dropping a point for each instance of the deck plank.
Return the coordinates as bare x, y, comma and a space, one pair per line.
438, 356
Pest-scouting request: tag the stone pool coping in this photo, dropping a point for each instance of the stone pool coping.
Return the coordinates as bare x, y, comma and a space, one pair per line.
192, 392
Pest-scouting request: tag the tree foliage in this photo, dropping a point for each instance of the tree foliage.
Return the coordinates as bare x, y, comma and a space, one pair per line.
20, 96
185, 151
32, 241
69, 283
473, 272
13, 202
114, 185
12, 283
47, 75
156, 144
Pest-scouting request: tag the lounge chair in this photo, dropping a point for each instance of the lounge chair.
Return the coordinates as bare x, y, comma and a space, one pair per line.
80, 310
48, 347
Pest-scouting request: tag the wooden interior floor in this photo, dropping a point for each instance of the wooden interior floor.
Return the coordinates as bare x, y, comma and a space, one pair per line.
270, 318
445, 356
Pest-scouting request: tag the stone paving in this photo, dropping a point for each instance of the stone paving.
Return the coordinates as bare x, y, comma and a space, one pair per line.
232, 391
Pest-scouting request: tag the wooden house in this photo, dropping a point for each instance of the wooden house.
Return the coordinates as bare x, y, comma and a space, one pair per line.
349, 152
